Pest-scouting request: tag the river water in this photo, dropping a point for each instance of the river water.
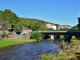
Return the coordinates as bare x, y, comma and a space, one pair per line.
31, 51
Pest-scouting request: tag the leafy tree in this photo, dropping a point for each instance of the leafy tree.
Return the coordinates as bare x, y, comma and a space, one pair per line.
50, 29
74, 28
57, 25
4, 24
17, 22
36, 35
18, 28
78, 23
66, 29
34, 24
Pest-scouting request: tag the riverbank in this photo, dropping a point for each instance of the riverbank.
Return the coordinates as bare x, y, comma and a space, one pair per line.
72, 52
10, 42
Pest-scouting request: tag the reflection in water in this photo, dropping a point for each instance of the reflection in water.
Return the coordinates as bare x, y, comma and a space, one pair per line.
31, 51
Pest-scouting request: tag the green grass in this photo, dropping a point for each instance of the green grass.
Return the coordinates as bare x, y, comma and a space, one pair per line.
8, 42
54, 57
61, 56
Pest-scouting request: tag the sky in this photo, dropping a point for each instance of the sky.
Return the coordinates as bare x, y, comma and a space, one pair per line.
63, 12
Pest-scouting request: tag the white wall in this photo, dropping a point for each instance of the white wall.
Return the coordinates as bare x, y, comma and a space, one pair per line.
51, 26
54, 27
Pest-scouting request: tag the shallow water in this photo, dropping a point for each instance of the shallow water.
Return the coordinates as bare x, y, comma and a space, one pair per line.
31, 51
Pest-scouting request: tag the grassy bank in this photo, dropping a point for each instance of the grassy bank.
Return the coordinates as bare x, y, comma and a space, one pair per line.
8, 42
68, 53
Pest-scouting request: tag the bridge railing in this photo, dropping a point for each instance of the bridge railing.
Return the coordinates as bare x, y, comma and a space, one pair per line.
57, 31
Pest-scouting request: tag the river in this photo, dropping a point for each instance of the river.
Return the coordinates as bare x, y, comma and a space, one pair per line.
30, 51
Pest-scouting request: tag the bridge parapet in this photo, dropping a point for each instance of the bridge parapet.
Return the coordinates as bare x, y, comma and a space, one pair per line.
58, 31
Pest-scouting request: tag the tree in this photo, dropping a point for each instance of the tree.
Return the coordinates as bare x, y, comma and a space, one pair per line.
74, 28
34, 24
66, 29
17, 22
36, 35
4, 24
78, 23
18, 28
50, 29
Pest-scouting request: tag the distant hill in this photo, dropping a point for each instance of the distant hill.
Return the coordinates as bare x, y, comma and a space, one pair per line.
33, 19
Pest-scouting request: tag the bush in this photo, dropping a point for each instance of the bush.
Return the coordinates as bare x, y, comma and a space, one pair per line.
9, 33
63, 45
73, 38
61, 36
36, 35
4, 33
23, 34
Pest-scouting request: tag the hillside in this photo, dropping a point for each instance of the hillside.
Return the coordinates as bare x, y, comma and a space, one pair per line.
12, 20
19, 23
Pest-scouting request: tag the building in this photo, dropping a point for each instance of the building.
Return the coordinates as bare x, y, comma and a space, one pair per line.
51, 25
64, 26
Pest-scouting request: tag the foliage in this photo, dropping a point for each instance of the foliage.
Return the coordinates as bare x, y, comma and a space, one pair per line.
68, 54
4, 33
61, 36
78, 23
4, 24
18, 27
50, 39
73, 38
50, 29
23, 34
64, 29
19, 23
63, 43
55, 57
74, 28
57, 25
36, 35
9, 33
75, 41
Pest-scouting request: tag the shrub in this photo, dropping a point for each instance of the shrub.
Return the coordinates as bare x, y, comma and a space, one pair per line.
63, 45
73, 38
61, 36
36, 35
23, 34
4, 33
9, 33
50, 39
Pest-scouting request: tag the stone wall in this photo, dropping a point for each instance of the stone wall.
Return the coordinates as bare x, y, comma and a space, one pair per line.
24, 35
17, 37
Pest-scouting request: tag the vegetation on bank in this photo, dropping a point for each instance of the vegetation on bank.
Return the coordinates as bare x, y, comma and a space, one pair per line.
10, 42
36, 35
70, 52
